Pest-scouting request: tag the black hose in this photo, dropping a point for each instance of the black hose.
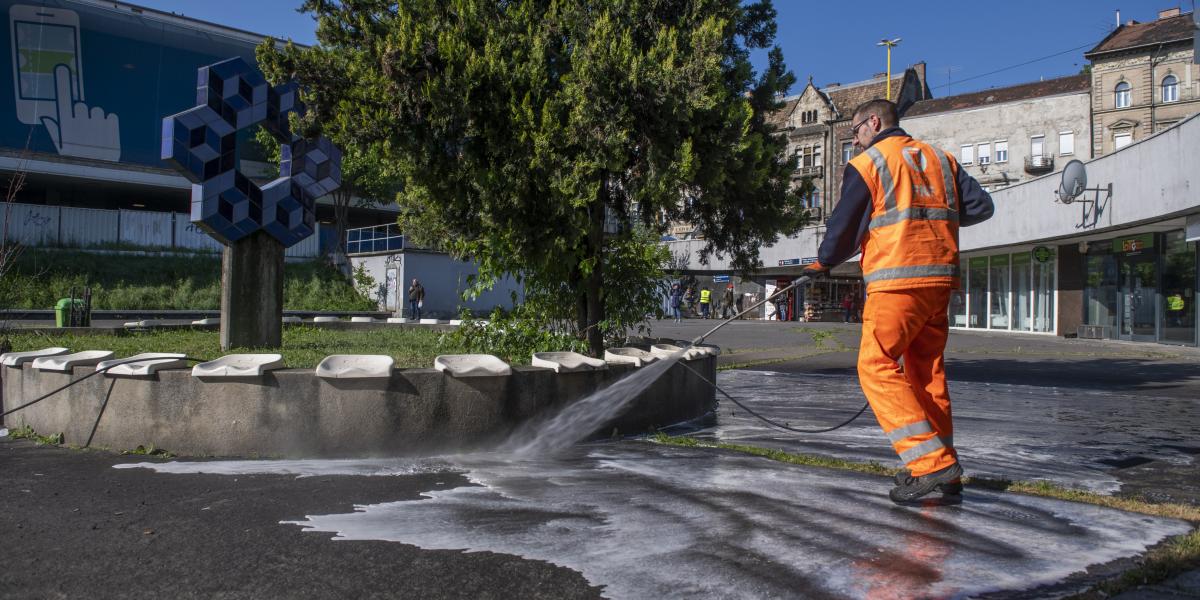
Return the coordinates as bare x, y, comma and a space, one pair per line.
769, 421
103, 406
85, 378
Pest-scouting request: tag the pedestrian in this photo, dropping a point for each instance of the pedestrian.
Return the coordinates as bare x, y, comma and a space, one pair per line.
738, 303
416, 299
848, 307
780, 308
727, 302
705, 301
901, 205
676, 301
689, 301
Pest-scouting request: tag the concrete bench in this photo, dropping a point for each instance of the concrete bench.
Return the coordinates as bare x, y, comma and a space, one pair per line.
471, 365
142, 365
628, 356
66, 362
397, 320
292, 319
567, 362
239, 365
207, 321
361, 320
429, 321
16, 359
326, 319
355, 366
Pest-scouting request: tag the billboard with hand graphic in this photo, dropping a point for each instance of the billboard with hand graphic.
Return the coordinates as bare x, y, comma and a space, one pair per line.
93, 81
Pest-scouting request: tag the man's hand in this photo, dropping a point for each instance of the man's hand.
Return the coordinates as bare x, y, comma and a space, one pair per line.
816, 271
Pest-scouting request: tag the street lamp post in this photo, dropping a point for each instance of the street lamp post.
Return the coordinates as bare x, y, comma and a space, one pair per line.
889, 44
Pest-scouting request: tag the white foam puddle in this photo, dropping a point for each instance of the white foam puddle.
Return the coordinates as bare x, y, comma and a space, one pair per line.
1002, 431
644, 520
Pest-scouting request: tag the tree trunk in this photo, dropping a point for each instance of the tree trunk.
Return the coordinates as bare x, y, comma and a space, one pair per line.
595, 280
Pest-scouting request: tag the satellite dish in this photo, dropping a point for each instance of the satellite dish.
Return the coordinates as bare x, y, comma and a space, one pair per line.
1074, 182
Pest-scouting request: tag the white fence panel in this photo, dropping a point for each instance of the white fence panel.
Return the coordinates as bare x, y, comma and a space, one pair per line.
308, 247
87, 226
189, 235
144, 228
31, 224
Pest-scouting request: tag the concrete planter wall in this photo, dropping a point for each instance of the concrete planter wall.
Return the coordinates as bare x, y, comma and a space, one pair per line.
293, 413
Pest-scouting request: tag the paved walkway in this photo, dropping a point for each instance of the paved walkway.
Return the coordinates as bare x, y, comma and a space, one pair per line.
632, 519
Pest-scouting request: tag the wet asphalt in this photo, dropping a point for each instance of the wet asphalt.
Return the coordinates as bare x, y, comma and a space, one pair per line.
72, 526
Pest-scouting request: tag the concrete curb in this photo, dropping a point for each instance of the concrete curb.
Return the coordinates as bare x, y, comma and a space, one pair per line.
293, 413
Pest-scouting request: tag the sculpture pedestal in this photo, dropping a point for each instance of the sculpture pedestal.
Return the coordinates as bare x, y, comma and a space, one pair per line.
252, 293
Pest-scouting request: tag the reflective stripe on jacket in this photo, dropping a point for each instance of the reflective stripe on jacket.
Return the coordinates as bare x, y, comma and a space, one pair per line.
912, 241
704, 296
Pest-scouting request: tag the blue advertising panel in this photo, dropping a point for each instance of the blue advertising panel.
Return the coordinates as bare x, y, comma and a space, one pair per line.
91, 82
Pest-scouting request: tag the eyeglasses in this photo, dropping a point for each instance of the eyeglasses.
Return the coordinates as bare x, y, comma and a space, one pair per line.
854, 128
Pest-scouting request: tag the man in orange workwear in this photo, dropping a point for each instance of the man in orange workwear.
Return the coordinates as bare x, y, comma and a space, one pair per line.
901, 206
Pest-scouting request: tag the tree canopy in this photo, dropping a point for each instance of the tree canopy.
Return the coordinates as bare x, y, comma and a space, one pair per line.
523, 130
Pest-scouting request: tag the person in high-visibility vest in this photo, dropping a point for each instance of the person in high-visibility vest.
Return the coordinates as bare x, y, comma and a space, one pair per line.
902, 203
705, 299
1175, 306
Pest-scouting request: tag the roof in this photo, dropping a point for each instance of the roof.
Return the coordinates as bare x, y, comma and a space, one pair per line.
1024, 91
1134, 35
779, 118
846, 98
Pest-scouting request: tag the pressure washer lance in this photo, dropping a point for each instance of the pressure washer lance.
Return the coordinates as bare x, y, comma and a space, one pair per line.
696, 342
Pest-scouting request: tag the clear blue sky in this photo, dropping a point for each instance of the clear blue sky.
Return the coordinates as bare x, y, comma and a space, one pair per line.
834, 41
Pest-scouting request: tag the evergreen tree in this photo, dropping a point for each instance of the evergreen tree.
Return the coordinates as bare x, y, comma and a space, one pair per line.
519, 127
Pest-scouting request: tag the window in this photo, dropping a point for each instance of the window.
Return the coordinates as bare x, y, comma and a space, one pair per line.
1037, 145
1121, 95
968, 155
1002, 151
1066, 142
985, 153
817, 155
1121, 140
1170, 89
847, 151
806, 157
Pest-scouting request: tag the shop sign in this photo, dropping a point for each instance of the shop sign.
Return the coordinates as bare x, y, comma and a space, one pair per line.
720, 279
978, 262
1020, 259
1136, 243
1000, 260
1043, 254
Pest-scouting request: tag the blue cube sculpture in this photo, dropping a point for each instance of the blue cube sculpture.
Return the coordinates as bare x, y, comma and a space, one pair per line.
201, 143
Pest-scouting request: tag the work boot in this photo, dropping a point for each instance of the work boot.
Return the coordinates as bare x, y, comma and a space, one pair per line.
914, 488
954, 488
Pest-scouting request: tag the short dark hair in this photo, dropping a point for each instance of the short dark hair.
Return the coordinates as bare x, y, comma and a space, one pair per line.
884, 109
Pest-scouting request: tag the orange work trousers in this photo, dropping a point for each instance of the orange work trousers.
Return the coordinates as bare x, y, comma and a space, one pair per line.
910, 401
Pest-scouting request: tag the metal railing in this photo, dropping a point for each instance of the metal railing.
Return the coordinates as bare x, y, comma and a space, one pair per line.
1039, 164
378, 238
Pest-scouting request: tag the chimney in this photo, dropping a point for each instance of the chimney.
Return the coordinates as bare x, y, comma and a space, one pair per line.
1118, 18
1168, 12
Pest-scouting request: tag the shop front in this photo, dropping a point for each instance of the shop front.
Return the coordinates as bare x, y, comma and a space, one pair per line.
1007, 291
1142, 288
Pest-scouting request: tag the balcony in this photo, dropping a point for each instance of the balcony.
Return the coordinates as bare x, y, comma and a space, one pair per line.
809, 171
1036, 165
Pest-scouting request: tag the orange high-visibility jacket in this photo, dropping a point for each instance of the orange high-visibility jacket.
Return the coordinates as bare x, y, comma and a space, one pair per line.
912, 241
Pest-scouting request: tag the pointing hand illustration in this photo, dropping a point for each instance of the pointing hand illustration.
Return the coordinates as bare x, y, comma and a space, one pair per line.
79, 131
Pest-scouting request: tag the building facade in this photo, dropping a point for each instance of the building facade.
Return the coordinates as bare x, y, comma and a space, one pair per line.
1004, 136
85, 88
1144, 80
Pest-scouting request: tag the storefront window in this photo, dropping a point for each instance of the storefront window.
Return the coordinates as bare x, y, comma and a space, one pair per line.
1022, 301
958, 300
999, 292
1179, 289
1100, 295
1043, 264
977, 287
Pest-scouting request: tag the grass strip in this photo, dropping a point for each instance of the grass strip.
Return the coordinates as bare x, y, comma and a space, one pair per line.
1175, 556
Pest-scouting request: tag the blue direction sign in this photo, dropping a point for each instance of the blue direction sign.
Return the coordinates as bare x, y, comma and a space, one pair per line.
788, 262
720, 279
